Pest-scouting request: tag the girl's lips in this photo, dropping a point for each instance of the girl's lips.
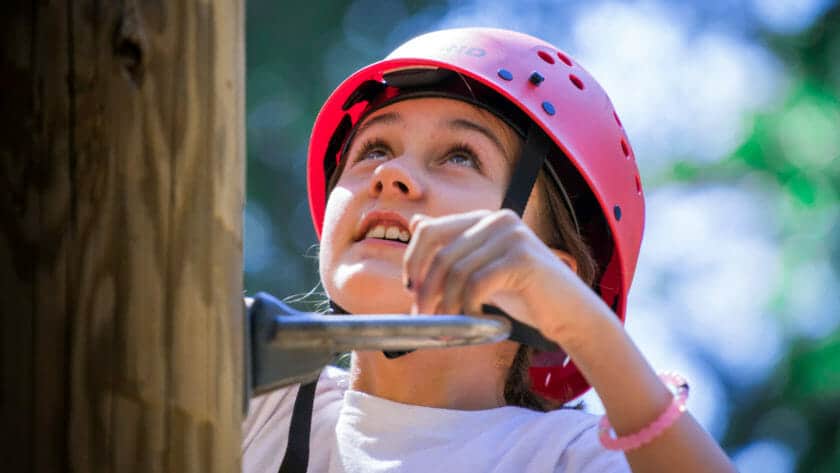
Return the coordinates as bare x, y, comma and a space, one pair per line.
381, 243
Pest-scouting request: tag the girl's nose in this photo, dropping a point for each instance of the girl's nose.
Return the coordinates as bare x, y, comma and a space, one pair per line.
391, 178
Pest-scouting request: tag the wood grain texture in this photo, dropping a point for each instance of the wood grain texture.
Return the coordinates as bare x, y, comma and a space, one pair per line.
121, 195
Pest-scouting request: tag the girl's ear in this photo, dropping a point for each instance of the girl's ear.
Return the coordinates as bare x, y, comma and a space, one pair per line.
566, 258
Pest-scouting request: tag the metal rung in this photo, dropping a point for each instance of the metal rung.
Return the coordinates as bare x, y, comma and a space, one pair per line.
385, 332
284, 346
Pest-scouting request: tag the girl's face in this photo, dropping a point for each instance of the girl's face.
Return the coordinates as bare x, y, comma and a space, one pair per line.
430, 156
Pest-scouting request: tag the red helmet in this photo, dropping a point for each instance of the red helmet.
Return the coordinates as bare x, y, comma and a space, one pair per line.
553, 93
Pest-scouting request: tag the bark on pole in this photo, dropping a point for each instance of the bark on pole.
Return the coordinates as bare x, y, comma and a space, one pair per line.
121, 193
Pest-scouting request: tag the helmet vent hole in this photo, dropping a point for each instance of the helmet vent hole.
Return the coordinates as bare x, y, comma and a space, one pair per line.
625, 149
576, 80
545, 57
638, 185
564, 58
617, 212
615, 115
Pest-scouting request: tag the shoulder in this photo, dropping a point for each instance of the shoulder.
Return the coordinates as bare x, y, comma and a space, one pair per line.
561, 427
333, 381
278, 403
265, 428
329, 396
564, 440
582, 450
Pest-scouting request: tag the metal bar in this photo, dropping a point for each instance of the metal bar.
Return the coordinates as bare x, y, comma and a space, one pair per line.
385, 332
284, 346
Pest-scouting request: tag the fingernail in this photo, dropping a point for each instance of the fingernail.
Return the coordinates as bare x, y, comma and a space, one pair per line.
414, 309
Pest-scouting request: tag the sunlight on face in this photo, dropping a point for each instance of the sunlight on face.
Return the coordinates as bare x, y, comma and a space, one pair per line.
432, 156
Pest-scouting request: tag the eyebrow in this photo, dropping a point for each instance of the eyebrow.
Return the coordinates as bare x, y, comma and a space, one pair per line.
389, 118
463, 124
460, 124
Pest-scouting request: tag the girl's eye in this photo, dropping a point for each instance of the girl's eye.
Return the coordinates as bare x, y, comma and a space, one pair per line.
463, 155
374, 149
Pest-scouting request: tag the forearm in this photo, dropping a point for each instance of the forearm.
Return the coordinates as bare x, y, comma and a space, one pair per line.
633, 397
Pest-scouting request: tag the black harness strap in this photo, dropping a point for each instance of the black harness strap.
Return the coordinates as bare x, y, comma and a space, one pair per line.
296, 458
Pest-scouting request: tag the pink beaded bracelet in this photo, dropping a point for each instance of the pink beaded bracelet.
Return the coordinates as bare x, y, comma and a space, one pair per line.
655, 428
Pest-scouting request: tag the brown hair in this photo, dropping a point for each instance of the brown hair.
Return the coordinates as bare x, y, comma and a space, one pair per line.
565, 237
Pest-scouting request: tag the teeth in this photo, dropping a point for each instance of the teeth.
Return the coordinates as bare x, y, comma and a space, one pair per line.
376, 232
392, 233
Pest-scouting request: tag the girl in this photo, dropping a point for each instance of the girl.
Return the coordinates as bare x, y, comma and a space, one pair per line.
410, 161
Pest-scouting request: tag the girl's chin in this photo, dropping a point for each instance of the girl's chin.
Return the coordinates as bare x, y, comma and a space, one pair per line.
362, 290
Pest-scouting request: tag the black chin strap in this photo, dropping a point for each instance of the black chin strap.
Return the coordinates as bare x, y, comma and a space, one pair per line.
534, 153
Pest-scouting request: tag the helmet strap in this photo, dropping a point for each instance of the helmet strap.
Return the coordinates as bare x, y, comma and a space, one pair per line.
534, 153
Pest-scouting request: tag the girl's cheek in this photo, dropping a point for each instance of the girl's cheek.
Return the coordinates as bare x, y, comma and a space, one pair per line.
336, 213
338, 221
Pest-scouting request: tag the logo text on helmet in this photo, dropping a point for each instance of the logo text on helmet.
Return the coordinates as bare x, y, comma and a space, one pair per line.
454, 49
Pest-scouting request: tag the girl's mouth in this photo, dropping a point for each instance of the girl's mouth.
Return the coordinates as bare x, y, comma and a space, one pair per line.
385, 231
384, 225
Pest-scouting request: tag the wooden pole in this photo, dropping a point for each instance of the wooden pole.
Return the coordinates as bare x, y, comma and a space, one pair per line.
121, 194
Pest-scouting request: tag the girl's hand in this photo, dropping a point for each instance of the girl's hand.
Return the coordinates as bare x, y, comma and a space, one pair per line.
461, 261
457, 262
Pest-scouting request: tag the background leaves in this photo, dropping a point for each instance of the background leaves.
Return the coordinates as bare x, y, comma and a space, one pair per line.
733, 108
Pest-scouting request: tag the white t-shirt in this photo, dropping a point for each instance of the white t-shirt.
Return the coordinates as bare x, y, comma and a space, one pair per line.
354, 432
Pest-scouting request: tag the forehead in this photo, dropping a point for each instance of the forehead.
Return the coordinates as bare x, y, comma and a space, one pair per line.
439, 106
442, 113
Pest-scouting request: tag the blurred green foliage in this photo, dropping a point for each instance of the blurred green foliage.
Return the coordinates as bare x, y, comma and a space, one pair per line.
797, 146
297, 51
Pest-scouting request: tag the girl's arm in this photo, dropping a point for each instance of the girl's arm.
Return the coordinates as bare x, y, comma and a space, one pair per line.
632, 393
456, 263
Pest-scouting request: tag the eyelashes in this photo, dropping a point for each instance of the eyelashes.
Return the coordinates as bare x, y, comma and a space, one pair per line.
464, 150
460, 154
369, 147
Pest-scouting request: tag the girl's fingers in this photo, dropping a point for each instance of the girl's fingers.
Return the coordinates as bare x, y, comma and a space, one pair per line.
430, 234
485, 281
454, 281
441, 262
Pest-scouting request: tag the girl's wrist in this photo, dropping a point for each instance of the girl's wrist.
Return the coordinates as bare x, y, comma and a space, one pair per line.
585, 320
666, 418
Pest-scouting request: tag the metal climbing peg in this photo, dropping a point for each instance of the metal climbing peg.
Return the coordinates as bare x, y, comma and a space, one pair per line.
285, 346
